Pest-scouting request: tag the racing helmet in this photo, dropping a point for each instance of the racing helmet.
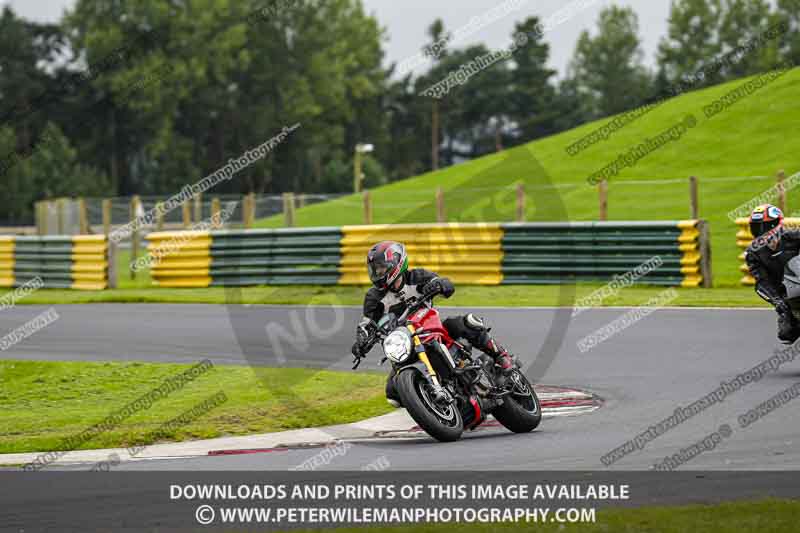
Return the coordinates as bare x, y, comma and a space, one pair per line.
386, 261
765, 218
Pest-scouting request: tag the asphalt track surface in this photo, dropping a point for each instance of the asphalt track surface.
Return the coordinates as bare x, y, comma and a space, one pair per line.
668, 359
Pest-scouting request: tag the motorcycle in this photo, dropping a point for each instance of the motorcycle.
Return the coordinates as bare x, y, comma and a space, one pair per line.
442, 386
791, 282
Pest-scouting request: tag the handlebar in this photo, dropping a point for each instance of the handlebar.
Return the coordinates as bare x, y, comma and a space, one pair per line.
413, 304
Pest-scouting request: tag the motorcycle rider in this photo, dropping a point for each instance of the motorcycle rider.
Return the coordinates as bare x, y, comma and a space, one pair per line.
772, 247
394, 283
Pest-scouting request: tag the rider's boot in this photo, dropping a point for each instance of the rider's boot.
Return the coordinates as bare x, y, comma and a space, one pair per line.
502, 358
488, 345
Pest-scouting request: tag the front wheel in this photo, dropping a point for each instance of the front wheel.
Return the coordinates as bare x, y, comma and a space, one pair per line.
443, 423
521, 411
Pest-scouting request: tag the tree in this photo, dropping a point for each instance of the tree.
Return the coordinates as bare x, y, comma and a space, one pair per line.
52, 169
532, 93
607, 69
469, 112
744, 20
570, 106
236, 76
788, 12
693, 38
24, 86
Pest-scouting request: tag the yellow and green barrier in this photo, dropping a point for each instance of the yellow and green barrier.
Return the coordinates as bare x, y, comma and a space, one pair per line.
301, 256
465, 253
67, 262
558, 252
743, 240
480, 254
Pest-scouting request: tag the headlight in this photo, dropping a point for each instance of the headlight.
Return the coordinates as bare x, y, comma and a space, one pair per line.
397, 346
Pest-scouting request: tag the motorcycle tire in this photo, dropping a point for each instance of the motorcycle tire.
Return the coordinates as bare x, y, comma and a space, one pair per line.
445, 425
517, 414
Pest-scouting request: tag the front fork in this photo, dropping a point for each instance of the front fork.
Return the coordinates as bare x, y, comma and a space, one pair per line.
426, 368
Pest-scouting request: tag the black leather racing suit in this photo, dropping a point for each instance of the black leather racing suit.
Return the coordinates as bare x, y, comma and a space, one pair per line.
766, 266
378, 303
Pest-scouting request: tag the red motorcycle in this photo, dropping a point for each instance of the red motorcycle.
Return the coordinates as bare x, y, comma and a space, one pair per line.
442, 386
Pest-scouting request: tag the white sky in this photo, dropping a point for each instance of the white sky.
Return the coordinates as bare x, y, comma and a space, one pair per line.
406, 22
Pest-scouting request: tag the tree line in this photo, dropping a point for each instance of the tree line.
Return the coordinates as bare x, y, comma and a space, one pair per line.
144, 96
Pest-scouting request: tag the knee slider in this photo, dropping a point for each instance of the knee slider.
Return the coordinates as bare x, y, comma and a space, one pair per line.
475, 322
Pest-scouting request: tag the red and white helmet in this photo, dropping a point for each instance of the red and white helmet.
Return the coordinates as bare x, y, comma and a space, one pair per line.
386, 261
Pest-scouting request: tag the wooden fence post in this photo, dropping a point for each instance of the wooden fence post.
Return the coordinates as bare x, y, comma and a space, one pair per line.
187, 215
106, 206
704, 244
602, 190
245, 210
198, 207
288, 209
367, 207
41, 217
111, 258
216, 212
781, 191
252, 213
83, 218
159, 216
135, 206
60, 215
520, 202
440, 212
694, 208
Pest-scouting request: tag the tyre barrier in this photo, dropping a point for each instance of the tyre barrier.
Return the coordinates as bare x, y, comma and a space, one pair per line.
553, 253
302, 256
65, 262
476, 253
465, 253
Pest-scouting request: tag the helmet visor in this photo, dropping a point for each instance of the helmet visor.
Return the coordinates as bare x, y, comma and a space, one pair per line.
378, 270
760, 227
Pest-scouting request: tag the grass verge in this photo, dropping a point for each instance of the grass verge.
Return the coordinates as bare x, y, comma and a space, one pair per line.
42, 403
765, 516
466, 296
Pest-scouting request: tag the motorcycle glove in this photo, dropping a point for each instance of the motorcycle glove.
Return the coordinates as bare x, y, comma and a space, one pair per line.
357, 350
783, 308
362, 338
432, 288
438, 286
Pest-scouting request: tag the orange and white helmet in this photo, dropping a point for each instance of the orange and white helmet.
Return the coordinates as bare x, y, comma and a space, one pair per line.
764, 219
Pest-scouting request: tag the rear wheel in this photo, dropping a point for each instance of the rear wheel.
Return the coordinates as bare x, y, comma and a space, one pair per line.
442, 422
521, 411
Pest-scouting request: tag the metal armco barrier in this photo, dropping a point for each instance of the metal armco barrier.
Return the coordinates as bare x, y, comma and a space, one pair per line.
479, 254
743, 240
553, 253
302, 256
67, 262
